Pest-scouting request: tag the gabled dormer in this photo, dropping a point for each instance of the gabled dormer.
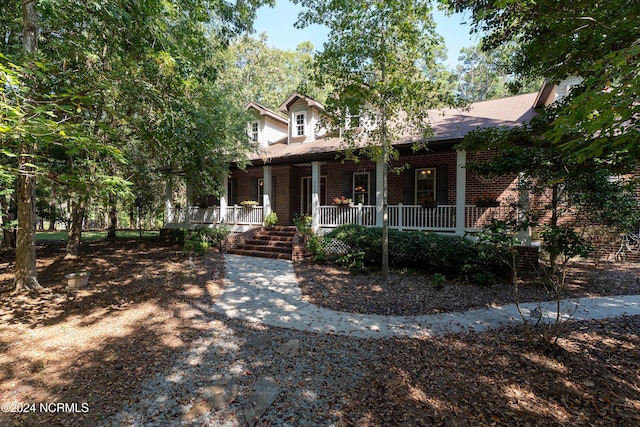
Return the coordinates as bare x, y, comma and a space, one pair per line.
267, 126
550, 93
304, 116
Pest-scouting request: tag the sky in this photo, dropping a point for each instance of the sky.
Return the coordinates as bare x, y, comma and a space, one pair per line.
278, 23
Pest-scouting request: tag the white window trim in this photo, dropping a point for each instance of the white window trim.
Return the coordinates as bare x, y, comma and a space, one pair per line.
296, 133
418, 172
368, 193
255, 133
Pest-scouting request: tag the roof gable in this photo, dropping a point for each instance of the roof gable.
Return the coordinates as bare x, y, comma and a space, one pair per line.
263, 111
284, 107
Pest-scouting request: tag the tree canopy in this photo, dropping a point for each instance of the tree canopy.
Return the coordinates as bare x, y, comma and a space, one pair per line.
105, 81
598, 41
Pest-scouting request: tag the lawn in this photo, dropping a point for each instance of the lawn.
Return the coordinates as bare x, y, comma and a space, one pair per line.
42, 236
141, 346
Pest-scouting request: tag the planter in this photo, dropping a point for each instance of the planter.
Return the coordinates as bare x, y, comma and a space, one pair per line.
77, 280
488, 204
429, 205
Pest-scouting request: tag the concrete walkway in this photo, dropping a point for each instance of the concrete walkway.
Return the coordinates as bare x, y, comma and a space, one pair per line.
266, 291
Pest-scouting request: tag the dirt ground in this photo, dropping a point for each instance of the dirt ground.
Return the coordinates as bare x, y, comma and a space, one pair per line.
146, 303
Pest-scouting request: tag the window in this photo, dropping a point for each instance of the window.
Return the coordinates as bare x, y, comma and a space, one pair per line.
300, 119
232, 192
361, 188
254, 132
260, 191
425, 186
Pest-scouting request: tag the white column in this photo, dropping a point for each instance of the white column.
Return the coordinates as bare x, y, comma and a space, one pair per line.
168, 200
379, 171
461, 190
223, 199
266, 198
315, 195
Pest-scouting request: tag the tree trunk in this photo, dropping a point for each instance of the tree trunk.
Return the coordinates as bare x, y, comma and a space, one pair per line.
75, 232
113, 218
26, 277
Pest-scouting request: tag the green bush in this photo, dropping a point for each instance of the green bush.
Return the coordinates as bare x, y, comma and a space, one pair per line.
433, 253
198, 241
271, 219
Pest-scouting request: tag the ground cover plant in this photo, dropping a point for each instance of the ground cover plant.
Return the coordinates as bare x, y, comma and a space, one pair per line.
147, 310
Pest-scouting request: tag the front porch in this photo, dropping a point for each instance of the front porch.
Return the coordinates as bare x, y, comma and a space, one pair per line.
309, 188
442, 218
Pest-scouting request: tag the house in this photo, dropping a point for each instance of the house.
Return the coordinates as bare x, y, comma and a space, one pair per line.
296, 169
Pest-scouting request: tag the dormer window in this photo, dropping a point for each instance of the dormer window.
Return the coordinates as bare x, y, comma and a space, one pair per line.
253, 134
300, 121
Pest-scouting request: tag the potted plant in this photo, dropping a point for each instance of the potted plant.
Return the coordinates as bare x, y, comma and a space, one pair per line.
249, 203
271, 219
427, 202
342, 201
487, 200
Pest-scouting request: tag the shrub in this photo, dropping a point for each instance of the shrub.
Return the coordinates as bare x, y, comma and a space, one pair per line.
198, 241
434, 253
271, 219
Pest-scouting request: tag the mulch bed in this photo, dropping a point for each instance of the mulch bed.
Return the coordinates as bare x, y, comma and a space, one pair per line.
147, 304
411, 293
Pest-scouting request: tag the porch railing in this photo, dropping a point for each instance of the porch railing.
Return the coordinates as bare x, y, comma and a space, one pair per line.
236, 215
333, 216
412, 217
401, 217
244, 215
415, 217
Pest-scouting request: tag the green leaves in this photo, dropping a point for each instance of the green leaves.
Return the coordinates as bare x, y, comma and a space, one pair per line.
598, 41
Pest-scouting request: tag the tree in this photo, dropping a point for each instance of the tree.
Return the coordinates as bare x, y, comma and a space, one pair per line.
568, 198
26, 275
598, 41
104, 75
255, 72
375, 61
484, 74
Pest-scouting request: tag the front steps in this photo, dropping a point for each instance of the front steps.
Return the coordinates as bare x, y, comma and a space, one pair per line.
265, 242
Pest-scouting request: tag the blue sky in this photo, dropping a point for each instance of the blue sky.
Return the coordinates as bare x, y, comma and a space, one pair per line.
278, 23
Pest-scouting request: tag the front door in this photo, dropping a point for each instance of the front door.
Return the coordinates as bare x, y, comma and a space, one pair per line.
305, 196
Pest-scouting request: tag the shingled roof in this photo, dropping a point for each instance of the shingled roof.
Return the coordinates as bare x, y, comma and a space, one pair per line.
449, 126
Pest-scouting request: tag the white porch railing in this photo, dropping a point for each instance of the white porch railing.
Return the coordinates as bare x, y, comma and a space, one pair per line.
412, 217
415, 217
333, 216
236, 215
241, 215
401, 217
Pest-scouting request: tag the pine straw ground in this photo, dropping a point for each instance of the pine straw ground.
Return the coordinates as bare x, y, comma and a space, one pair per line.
146, 304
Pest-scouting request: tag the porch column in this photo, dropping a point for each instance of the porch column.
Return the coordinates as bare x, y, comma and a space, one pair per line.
315, 195
266, 191
168, 200
461, 190
223, 199
379, 211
